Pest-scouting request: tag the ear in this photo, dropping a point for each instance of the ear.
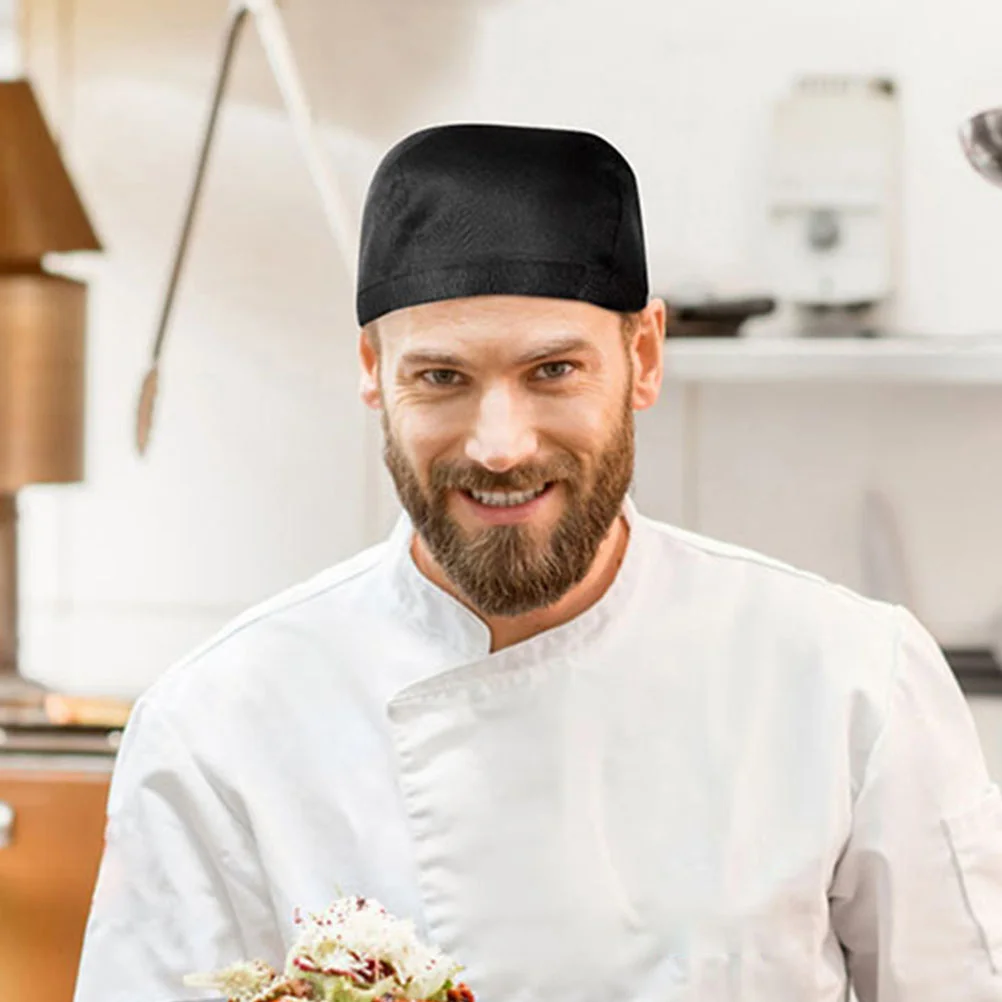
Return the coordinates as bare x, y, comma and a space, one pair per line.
368, 386
647, 352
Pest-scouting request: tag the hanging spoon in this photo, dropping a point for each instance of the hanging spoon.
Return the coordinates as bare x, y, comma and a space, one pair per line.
148, 394
278, 51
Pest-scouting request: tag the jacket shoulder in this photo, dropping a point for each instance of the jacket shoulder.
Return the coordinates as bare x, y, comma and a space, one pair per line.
767, 575
269, 632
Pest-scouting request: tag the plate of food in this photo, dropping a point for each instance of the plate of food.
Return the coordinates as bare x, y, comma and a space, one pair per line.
355, 951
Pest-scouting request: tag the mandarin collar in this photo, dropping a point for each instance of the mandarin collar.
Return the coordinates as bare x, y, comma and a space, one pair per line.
435, 613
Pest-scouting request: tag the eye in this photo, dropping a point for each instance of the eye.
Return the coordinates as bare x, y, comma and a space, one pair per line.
442, 377
555, 370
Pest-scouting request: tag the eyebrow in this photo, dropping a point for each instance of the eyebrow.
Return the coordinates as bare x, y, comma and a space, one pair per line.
434, 358
559, 346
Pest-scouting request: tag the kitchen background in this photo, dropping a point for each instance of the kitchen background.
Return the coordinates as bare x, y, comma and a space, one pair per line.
263, 466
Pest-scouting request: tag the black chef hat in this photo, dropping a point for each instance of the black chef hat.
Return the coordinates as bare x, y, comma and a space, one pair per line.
467, 210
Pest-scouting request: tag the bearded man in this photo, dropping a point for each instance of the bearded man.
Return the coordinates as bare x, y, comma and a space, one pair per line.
592, 756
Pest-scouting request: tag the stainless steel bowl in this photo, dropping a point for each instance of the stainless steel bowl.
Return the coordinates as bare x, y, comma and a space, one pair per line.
981, 137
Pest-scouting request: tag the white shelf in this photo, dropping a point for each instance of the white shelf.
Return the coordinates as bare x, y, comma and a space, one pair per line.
946, 360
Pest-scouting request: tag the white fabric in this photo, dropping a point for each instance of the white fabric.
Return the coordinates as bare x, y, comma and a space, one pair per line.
728, 780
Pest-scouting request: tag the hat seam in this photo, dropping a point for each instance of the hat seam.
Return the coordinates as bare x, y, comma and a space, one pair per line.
619, 223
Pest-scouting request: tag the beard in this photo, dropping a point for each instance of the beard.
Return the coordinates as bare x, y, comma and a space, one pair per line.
508, 570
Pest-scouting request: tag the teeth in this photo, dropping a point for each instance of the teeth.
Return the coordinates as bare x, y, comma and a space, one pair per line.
506, 499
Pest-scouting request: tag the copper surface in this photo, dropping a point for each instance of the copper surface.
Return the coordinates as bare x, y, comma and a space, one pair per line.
40, 211
42, 321
47, 876
8, 584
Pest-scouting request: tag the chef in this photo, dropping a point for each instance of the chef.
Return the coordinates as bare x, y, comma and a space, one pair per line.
592, 756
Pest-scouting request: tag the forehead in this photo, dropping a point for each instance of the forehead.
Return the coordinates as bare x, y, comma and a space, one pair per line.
495, 328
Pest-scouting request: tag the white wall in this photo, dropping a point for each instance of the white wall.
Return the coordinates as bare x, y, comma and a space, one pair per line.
8, 39
264, 468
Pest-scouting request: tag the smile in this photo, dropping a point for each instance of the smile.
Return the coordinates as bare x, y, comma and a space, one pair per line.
506, 499
506, 507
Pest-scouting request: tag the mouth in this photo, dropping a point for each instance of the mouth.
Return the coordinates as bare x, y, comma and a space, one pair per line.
506, 507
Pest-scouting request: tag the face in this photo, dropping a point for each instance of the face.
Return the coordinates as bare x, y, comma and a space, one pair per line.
508, 425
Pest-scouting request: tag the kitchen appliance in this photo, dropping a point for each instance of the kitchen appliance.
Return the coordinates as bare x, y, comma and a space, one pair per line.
714, 317
42, 326
278, 51
832, 194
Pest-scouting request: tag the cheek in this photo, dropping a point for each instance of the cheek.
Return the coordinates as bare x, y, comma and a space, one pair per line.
421, 437
582, 427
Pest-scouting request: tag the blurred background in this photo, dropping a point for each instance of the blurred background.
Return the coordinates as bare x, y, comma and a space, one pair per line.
798, 165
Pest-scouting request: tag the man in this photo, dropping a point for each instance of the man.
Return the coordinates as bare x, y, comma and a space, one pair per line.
592, 756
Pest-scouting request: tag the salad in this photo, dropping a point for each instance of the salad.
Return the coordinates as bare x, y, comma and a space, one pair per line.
355, 951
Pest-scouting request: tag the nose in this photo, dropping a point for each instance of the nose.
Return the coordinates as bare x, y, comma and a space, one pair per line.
503, 435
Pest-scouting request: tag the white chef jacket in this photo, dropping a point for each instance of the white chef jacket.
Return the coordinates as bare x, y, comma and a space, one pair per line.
727, 780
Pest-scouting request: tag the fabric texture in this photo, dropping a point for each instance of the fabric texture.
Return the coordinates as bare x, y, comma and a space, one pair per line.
468, 210
727, 780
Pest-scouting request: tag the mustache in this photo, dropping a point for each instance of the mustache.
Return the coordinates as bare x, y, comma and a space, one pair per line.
466, 477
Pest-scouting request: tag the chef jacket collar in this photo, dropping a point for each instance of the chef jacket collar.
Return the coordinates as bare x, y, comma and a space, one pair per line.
434, 612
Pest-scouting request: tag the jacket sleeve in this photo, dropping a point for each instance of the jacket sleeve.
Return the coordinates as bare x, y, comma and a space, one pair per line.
916, 899
179, 890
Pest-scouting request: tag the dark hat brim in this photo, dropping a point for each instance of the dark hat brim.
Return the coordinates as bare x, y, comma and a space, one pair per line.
551, 279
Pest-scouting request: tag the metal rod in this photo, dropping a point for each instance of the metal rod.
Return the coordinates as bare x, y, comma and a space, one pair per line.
8, 584
237, 18
148, 392
278, 51
15, 690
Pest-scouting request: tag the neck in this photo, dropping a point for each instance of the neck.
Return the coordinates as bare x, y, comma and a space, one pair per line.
508, 630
